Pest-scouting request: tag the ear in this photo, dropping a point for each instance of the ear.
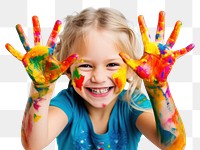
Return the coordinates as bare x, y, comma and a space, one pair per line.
129, 74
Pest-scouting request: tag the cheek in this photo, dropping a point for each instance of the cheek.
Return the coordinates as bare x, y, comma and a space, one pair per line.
119, 78
77, 79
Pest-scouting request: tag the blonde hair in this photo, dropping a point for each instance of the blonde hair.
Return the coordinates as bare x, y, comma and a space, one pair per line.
78, 25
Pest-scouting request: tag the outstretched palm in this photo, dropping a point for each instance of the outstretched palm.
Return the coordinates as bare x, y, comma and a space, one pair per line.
39, 61
158, 58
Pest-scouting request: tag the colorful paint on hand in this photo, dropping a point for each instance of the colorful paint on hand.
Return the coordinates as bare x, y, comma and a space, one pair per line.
160, 27
53, 37
119, 78
154, 67
156, 53
22, 37
77, 79
42, 67
36, 30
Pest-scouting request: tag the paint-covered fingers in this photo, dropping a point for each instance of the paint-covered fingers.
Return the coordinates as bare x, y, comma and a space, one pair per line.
183, 51
160, 27
54, 34
53, 70
14, 52
23, 38
36, 30
174, 35
143, 30
65, 64
130, 62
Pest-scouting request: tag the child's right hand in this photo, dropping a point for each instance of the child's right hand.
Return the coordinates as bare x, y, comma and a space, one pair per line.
39, 61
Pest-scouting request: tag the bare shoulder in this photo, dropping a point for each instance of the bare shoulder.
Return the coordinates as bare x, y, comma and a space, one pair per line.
146, 121
57, 115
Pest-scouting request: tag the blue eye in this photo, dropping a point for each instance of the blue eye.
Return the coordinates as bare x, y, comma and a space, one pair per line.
85, 66
112, 65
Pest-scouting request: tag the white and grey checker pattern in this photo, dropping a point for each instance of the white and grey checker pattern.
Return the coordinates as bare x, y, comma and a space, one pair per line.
184, 80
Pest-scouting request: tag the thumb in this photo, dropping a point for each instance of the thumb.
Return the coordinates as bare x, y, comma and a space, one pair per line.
14, 52
65, 64
130, 62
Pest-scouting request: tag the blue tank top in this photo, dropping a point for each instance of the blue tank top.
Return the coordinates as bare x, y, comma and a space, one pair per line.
122, 132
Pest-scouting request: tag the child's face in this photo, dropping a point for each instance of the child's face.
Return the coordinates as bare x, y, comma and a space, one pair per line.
100, 74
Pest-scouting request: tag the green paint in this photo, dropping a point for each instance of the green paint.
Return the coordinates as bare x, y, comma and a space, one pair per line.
76, 74
37, 66
54, 66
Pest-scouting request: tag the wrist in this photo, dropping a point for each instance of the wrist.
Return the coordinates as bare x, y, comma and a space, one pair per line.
160, 84
42, 90
159, 91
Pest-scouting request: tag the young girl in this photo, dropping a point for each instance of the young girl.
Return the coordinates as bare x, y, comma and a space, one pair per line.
99, 53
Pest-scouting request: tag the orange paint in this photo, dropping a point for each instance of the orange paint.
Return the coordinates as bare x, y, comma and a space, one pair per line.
119, 78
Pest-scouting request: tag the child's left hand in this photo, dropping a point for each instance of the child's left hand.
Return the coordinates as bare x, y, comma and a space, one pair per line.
158, 58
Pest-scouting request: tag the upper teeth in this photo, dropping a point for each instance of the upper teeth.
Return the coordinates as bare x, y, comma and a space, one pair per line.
100, 91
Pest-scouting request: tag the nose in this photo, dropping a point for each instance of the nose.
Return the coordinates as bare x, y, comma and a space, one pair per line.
98, 75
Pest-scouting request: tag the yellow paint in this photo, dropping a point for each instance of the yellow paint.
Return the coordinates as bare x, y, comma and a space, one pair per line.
37, 117
119, 78
132, 63
81, 60
151, 48
14, 52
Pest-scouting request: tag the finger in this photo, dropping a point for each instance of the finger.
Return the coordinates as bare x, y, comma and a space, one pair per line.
183, 51
160, 27
54, 34
23, 38
143, 30
174, 35
130, 62
65, 64
36, 30
14, 52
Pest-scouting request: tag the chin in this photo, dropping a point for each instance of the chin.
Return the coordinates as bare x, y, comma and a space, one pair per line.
98, 105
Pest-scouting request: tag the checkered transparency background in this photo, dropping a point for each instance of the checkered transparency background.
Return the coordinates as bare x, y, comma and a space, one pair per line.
184, 79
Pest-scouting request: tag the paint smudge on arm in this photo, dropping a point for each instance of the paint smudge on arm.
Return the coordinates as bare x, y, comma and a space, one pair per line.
154, 67
37, 117
168, 121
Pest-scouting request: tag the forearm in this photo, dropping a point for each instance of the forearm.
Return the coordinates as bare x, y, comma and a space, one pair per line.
168, 121
35, 122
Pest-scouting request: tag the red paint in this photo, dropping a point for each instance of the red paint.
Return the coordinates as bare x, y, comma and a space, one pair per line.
79, 82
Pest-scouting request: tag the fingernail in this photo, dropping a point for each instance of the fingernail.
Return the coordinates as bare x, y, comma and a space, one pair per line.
190, 47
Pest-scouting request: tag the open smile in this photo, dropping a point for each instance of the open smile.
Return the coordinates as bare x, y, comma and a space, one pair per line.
100, 91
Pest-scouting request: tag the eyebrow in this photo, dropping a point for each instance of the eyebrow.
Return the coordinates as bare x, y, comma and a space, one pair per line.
85, 60
89, 60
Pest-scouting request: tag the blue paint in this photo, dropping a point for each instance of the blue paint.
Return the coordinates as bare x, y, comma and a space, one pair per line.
162, 48
158, 36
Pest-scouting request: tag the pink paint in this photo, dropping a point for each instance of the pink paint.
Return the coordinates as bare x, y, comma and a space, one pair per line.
103, 105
